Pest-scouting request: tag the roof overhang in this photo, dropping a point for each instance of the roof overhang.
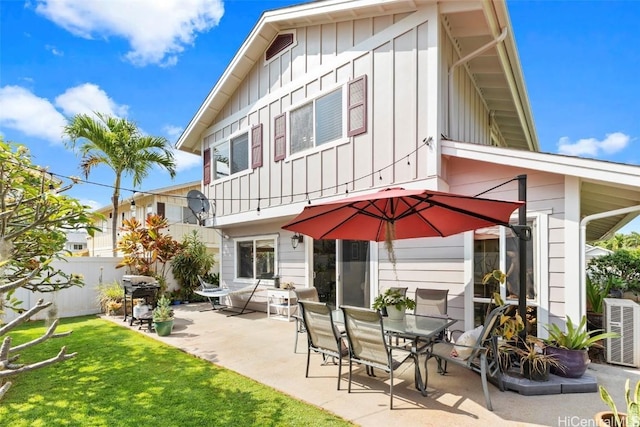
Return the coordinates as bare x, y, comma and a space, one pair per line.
604, 186
496, 72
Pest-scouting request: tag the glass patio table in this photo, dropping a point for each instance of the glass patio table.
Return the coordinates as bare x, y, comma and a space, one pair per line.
420, 330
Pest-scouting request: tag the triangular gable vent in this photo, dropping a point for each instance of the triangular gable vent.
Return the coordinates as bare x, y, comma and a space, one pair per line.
279, 44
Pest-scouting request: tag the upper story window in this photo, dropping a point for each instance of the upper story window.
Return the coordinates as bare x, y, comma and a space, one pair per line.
317, 122
331, 117
228, 156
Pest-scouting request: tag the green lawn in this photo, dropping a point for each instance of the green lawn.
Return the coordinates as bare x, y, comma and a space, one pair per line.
122, 378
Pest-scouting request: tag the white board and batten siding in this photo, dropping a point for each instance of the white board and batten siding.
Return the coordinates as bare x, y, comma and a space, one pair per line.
468, 114
392, 52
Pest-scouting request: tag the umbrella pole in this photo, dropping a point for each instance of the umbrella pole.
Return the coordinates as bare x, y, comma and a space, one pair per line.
522, 247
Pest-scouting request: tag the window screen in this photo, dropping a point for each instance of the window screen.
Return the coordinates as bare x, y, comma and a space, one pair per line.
240, 153
302, 128
329, 117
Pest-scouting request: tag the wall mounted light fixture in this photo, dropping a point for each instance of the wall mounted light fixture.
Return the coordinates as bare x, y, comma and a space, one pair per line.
296, 239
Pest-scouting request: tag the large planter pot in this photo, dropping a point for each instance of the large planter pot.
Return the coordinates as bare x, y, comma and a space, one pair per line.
530, 373
163, 328
394, 314
606, 419
575, 362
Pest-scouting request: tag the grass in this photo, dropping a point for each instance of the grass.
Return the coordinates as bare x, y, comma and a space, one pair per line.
121, 378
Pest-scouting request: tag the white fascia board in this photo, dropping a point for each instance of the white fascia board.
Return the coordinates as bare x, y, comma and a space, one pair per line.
588, 169
508, 53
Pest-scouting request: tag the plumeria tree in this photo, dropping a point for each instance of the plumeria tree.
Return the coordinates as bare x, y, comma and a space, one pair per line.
34, 218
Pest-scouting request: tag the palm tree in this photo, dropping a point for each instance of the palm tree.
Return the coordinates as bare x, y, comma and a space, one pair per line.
119, 144
632, 240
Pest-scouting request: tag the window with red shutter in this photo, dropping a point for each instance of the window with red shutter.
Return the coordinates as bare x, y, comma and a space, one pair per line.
279, 137
206, 169
357, 106
256, 146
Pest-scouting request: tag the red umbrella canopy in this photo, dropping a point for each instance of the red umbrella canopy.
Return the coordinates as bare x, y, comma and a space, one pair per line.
406, 213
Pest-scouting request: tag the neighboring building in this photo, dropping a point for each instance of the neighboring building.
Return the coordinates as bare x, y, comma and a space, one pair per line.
76, 243
595, 252
169, 202
336, 96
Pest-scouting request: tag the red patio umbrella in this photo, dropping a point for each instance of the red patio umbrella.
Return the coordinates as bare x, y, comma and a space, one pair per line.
405, 213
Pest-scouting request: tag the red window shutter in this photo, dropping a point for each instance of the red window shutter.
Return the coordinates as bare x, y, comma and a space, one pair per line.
357, 106
160, 209
279, 137
256, 146
206, 169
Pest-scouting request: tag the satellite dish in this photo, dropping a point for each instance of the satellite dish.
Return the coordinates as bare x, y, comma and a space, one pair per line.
198, 204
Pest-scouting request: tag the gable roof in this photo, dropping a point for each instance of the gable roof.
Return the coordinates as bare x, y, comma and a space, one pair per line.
604, 186
496, 71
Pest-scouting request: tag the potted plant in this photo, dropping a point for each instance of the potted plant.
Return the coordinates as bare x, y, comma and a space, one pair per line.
511, 323
571, 347
395, 302
163, 317
535, 365
614, 418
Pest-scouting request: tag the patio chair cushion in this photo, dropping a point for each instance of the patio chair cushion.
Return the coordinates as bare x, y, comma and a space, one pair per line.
466, 341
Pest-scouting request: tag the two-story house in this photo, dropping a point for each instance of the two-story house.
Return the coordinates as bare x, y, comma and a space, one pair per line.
335, 97
168, 202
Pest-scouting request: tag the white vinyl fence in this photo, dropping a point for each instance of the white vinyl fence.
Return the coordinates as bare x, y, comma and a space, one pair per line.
74, 301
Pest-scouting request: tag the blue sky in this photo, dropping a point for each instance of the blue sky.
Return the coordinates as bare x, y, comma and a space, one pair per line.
154, 62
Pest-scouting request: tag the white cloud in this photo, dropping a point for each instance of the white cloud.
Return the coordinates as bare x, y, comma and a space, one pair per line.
22, 110
592, 147
54, 50
91, 203
29, 114
157, 31
87, 98
185, 161
173, 132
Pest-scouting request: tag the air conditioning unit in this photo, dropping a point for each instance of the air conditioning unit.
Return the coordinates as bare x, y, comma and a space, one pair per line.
622, 316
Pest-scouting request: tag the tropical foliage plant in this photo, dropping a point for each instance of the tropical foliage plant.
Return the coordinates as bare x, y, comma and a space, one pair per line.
632, 400
191, 261
109, 296
511, 323
146, 249
393, 297
623, 265
118, 144
530, 351
577, 337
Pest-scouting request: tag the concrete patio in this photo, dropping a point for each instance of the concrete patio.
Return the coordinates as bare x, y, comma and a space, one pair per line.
262, 349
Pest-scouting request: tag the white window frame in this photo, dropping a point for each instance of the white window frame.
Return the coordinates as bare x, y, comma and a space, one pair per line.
343, 139
253, 239
212, 146
540, 236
